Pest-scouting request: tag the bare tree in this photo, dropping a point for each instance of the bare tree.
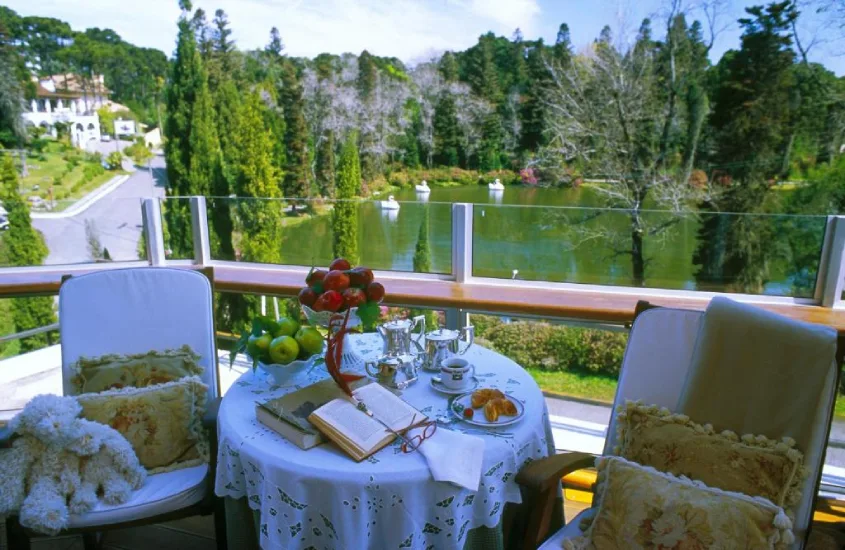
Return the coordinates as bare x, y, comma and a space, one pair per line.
471, 112
607, 114
428, 84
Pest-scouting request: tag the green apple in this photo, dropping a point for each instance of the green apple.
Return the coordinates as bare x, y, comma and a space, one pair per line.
310, 340
283, 349
286, 327
258, 346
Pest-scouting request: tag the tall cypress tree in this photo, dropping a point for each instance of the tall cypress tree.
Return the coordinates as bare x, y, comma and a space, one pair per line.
532, 112
186, 82
296, 134
227, 102
447, 140
326, 165
422, 264
257, 177
24, 246
367, 70
345, 213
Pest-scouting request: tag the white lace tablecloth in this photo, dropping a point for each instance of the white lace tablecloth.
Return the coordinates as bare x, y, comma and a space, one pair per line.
322, 499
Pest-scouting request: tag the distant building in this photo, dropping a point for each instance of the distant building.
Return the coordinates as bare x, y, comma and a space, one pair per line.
153, 138
72, 100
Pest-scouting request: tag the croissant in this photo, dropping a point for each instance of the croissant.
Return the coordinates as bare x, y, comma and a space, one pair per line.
491, 411
481, 397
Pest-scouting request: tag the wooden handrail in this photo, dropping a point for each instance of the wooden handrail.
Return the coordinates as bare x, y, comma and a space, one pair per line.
592, 306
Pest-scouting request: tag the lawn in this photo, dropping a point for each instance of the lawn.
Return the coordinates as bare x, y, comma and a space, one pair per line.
603, 389
575, 384
73, 186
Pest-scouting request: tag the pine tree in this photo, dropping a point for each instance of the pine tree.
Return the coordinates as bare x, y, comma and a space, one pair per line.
447, 139
345, 213
276, 46
24, 246
257, 179
296, 134
482, 74
326, 165
367, 71
563, 45
532, 113
448, 67
186, 80
422, 264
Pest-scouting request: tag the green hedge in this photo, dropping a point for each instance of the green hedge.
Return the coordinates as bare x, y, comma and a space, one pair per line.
444, 175
554, 348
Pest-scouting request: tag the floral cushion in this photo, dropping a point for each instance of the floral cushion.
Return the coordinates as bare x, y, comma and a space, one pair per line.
643, 508
752, 465
144, 369
162, 422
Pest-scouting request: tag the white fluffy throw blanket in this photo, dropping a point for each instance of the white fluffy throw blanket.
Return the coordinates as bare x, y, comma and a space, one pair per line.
62, 465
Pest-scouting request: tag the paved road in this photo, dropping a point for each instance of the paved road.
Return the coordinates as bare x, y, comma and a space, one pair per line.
117, 217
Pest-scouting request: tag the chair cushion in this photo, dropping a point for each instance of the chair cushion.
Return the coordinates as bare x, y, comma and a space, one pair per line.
643, 508
571, 530
115, 371
160, 494
163, 423
752, 465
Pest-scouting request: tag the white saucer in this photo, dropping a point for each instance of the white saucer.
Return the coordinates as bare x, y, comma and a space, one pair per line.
439, 387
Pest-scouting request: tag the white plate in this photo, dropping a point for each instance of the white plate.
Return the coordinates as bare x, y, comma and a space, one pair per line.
478, 418
438, 386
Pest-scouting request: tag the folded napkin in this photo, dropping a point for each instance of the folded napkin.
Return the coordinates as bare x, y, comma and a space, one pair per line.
754, 371
453, 456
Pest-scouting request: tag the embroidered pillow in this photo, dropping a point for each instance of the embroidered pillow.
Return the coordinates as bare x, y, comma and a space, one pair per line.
144, 369
752, 465
643, 508
163, 423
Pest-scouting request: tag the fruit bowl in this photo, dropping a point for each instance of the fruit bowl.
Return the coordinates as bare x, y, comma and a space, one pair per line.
282, 374
321, 318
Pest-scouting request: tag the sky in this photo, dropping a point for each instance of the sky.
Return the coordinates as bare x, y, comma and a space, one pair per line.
412, 30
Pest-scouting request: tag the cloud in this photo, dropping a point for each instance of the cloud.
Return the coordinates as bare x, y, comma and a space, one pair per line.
407, 29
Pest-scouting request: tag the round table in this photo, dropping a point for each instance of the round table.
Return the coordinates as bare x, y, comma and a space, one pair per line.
321, 498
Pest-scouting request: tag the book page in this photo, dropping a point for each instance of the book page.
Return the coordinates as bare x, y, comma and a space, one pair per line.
355, 425
388, 407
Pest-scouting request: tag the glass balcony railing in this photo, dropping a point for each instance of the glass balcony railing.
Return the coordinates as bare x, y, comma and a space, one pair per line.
774, 255
303, 232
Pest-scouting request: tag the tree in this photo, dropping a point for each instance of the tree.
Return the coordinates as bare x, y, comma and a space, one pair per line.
24, 246
422, 264
296, 183
186, 80
12, 132
367, 72
448, 67
750, 123
446, 133
276, 46
607, 113
256, 179
345, 213
533, 109
227, 103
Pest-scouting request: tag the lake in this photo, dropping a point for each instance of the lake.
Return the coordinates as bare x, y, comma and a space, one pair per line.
542, 234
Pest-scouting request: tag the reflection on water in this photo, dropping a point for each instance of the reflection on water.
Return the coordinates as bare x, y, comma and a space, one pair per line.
581, 245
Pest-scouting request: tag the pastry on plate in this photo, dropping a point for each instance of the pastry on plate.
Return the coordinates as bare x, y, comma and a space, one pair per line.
481, 397
499, 406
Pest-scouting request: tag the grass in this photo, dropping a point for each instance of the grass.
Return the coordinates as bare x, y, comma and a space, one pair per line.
576, 384
44, 173
603, 389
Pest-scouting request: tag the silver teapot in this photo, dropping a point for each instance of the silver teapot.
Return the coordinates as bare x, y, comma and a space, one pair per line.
397, 336
397, 372
443, 343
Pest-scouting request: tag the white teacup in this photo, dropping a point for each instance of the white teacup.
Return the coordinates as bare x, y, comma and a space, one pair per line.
456, 373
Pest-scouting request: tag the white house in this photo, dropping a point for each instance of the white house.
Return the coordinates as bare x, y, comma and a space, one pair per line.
69, 99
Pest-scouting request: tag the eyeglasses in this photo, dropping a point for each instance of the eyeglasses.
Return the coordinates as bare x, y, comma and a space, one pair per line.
411, 444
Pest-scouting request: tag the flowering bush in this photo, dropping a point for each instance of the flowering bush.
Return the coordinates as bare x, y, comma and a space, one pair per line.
527, 176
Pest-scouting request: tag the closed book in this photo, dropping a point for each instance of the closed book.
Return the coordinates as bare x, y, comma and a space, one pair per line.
288, 415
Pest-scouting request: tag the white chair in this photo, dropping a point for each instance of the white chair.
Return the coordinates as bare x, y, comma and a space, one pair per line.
654, 370
135, 310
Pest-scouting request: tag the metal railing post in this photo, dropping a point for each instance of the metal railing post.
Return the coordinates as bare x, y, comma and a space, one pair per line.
199, 228
831, 279
153, 231
462, 242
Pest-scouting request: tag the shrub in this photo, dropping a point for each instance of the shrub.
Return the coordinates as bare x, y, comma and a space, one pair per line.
114, 160
555, 348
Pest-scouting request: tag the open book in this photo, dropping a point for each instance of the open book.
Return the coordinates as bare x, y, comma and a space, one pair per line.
357, 433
